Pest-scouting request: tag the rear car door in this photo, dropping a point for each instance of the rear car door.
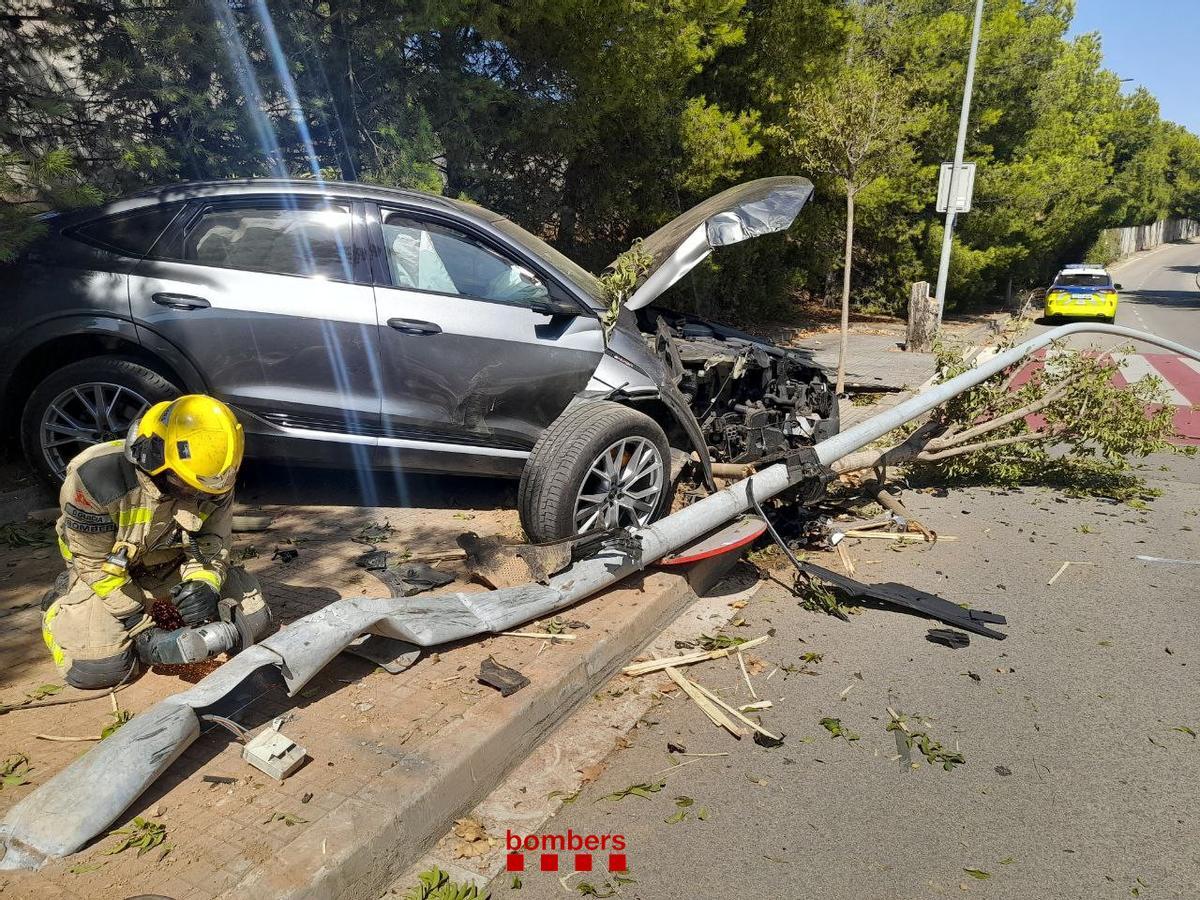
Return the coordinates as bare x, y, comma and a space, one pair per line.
480, 348
262, 294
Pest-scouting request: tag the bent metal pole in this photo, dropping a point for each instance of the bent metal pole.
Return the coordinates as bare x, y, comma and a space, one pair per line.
66, 812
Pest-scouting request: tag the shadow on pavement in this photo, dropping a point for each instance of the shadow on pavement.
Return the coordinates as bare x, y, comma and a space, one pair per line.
279, 484
1172, 299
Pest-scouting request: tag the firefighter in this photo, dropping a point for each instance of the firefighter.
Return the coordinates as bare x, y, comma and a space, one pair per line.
145, 525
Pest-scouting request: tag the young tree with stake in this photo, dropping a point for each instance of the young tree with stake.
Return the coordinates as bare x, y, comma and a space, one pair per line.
851, 128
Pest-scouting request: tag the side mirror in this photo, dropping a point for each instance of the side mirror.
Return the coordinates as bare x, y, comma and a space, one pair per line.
1118, 287
547, 306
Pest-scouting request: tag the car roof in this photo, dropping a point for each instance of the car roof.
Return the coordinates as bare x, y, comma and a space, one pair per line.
249, 187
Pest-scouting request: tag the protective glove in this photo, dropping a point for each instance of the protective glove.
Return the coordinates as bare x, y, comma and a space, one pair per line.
196, 601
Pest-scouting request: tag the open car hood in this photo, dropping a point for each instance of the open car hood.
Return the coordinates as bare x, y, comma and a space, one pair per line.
745, 211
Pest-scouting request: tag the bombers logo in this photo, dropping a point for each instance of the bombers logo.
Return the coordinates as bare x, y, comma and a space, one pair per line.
580, 850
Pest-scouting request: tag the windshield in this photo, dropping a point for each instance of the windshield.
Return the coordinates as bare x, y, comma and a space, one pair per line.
1076, 279
582, 278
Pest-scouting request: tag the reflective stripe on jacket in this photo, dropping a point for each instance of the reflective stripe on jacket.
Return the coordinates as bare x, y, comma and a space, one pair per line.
106, 502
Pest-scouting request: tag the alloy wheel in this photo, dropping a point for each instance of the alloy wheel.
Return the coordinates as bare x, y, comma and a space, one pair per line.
86, 414
622, 486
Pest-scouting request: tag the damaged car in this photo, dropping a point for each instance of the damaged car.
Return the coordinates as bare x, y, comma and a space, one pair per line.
357, 325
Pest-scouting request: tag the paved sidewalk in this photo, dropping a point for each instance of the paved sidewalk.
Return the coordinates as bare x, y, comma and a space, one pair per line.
876, 355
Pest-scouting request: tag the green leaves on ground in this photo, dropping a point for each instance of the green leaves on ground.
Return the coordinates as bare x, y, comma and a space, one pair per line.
837, 730
1184, 729
119, 718
373, 533
42, 691
14, 771
812, 657
141, 833
643, 790
816, 596
434, 884
932, 750
718, 641
681, 813
978, 874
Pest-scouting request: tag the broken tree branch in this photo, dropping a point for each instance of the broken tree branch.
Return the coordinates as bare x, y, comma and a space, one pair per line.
657, 665
947, 440
890, 501
1028, 438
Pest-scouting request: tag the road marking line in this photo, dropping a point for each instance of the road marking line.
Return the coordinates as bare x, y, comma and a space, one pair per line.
1184, 380
1135, 367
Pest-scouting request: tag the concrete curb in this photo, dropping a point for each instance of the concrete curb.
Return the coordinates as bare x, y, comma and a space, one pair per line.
368, 840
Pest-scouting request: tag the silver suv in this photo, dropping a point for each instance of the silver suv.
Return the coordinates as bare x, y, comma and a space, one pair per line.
357, 325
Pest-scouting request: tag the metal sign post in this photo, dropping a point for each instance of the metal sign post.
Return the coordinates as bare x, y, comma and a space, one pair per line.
956, 170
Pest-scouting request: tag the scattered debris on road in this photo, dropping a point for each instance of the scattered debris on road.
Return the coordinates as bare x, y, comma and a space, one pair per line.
144, 834
503, 678
403, 578
837, 730
955, 640
911, 598
643, 790
658, 665
274, 753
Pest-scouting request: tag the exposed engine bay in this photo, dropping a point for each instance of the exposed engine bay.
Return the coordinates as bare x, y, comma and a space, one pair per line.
754, 401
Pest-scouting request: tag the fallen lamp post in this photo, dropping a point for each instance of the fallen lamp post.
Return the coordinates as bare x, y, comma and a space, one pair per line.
63, 814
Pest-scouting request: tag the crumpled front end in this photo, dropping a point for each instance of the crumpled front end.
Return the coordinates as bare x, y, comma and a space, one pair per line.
754, 402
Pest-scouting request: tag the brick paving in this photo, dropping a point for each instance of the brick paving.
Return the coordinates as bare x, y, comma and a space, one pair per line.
355, 720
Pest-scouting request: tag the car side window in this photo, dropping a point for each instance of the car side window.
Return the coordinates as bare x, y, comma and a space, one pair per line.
131, 233
428, 256
313, 242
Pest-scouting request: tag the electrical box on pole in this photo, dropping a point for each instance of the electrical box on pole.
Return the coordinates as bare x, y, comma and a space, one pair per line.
963, 190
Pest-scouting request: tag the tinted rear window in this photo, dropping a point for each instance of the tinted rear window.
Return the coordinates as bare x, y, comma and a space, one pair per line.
1076, 279
131, 233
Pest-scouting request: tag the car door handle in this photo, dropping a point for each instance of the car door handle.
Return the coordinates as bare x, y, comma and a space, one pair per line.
414, 326
181, 301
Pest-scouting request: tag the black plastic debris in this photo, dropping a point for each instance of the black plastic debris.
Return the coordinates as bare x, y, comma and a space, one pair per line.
285, 555
955, 640
503, 678
919, 601
404, 579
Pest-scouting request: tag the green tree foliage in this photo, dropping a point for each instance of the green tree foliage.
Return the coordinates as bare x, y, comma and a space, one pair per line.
850, 127
595, 121
1065, 424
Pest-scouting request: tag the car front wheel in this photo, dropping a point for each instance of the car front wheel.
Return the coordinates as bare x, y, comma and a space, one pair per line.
600, 465
85, 403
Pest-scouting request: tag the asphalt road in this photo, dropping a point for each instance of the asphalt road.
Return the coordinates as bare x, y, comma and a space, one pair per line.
1160, 294
1080, 780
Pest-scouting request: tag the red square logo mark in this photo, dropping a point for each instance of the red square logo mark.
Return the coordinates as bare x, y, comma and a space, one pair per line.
515, 862
549, 862
583, 862
616, 862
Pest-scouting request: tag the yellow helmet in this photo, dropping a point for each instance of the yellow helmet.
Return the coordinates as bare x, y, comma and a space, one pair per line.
195, 437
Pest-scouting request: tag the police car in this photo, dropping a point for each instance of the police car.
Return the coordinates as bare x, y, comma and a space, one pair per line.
1082, 291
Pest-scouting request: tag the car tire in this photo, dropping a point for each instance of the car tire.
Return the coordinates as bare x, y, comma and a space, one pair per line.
131, 386
566, 455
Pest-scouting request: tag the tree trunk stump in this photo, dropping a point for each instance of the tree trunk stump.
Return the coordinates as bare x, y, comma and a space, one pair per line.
922, 319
